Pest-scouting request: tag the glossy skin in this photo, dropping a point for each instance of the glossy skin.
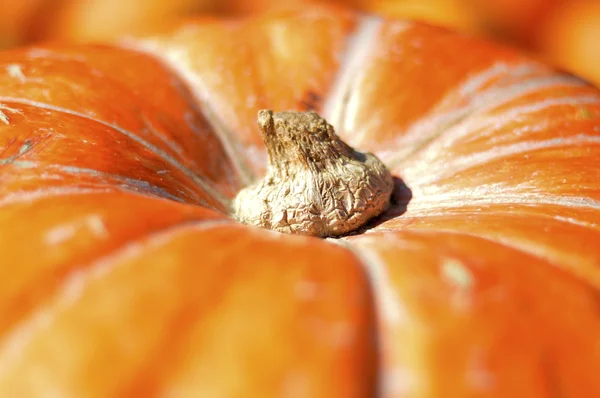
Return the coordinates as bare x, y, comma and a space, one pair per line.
124, 276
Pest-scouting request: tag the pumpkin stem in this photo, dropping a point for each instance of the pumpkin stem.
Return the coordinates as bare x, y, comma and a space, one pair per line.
315, 183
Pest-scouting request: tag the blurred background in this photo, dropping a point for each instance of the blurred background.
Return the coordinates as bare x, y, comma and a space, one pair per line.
563, 32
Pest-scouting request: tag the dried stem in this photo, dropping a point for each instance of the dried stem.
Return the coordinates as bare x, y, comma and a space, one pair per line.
315, 183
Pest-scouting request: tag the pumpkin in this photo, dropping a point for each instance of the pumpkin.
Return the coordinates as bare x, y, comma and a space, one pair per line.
124, 274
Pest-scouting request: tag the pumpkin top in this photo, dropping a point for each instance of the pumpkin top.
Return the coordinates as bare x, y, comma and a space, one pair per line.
122, 274
315, 183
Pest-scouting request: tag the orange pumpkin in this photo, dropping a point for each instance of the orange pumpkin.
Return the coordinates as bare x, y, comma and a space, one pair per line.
123, 275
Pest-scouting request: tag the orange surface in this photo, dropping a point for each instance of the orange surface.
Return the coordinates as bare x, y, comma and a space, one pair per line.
123, 274
570, 38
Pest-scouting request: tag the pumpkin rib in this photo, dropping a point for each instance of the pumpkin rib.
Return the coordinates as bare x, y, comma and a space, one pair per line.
477, 114
433, 326
85, 69
138, 170
14, 341
201, 182
475, 159
135, 185
105, 180
464, 99
68, 272
434, 122
226, 137
85, 64
359, 44
553, 254
126, 183
106, 238
149, 378
482, 81
318, 349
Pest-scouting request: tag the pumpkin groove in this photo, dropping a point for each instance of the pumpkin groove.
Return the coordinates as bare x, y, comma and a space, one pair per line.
119, 163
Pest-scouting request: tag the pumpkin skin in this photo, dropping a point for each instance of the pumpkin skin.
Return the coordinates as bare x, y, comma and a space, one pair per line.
123, 275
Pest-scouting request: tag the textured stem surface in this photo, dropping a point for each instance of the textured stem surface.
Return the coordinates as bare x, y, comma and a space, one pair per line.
315, 183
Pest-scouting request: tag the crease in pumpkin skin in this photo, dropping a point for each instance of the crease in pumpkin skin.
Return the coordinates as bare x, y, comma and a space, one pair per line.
201, 182
389, 314
389, 303
128, 183
15, 340
32, 195
155, 376
341, 101
147, 114
453, 200
132, 184
237, 157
